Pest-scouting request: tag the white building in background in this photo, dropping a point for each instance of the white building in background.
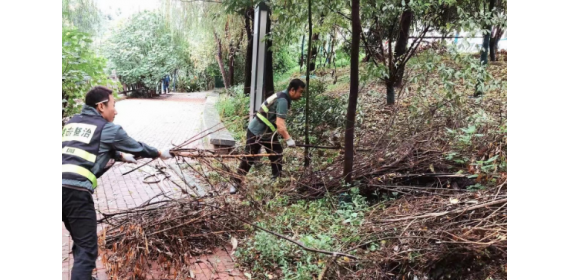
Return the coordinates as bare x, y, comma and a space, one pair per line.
465, 41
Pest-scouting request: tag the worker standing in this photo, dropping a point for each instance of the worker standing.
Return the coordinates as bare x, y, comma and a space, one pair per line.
262, 129
166, 83
91, 143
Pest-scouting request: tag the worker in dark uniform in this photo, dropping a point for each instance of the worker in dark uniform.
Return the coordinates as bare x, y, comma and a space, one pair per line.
91, 143
264, 127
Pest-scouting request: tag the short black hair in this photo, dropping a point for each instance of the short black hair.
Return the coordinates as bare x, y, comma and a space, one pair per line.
295, 84
96, 95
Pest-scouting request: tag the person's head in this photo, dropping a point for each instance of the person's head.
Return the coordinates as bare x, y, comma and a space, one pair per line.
101, 98
296, 89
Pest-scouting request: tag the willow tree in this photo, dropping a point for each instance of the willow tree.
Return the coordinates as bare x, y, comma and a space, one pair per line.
84, 15
215, 36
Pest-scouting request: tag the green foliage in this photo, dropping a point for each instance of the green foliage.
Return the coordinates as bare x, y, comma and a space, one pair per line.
342, 59
187, 84
443, 86
320, 224
456, 74
82, 15
234, 109
326, 112
189, 79
81, 69
283, 61
143, 50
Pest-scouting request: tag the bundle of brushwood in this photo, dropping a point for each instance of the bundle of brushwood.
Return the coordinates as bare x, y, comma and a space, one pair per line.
163, 238
435, 233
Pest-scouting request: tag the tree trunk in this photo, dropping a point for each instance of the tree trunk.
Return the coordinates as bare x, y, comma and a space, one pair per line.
323, 53
353, 97
302, 50
485, 49
487, 37
331, 50
313, 51
231, 64
268, 84
390, 93
232, 56
494, 42
221, 61
249, 53
492, 52
402, 42
316, 46
307, 91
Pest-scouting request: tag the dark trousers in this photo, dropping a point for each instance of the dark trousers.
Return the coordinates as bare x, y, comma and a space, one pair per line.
253, 145
80, 219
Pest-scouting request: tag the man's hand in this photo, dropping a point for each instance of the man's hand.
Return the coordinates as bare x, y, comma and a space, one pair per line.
128, 158
165, 154
290, 143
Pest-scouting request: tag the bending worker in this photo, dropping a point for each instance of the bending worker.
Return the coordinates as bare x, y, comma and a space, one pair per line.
262, 129
90, 145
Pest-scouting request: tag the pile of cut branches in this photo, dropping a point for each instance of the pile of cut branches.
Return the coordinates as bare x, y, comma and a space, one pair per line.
162, 238
434, 233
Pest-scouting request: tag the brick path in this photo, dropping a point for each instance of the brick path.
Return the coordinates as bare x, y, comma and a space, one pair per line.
158, 122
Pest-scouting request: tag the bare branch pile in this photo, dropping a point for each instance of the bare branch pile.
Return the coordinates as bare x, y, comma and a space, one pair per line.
164, 238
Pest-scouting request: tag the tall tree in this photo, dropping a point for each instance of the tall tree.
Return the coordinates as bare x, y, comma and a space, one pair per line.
394, 25
220, 61
499, 28
496, 35
234, 47
268, 83
307, 94
402, 41
248, 17
485, 46
81, 14
302, 53
353, 97
487, 37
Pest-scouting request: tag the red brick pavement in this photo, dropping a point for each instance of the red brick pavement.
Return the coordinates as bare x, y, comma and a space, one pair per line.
158, 122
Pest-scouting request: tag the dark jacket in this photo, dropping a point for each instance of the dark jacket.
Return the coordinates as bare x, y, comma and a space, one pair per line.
113, 141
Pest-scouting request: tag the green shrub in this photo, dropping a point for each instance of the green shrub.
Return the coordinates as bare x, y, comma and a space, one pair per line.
233, 108
187, 84
325, 112
81, 69
317, 224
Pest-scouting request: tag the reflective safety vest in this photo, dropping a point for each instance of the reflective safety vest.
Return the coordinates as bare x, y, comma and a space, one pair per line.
263, 113
80, 140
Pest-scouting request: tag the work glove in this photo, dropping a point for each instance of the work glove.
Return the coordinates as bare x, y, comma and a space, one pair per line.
165, 154
128, 158
290, 143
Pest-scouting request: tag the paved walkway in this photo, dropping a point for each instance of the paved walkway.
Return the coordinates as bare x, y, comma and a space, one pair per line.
158, 122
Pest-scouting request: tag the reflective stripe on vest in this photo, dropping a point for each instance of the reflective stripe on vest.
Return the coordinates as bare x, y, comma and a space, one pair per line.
71, 168
81, 140
79, 153
266, 122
